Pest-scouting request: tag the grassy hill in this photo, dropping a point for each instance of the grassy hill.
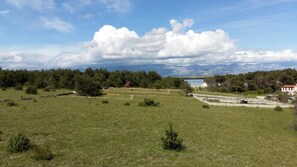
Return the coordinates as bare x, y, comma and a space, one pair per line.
84, 131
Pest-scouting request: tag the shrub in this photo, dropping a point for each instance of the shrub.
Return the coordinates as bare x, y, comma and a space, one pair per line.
3, 89
42, 153
11, 103
148, 102
171, 140
186, 89
47, 89
205, 106
278, 108
18, 143
283, 97
31, 89
105, 101
127, 104
18, 87
1, 135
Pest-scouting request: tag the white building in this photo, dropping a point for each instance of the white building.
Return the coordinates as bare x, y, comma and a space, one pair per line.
290, 89
204, 85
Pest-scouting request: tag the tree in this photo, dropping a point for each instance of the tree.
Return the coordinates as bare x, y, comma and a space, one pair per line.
86, 86
171, 141
186, 88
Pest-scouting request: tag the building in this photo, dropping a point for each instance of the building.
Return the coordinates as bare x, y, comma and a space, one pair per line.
204, 85
290, 89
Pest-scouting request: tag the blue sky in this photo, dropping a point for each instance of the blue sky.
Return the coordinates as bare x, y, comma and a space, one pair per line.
60, 33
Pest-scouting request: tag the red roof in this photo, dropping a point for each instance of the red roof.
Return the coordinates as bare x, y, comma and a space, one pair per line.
289, 86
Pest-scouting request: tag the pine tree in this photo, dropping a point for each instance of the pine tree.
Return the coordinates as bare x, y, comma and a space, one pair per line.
172, 141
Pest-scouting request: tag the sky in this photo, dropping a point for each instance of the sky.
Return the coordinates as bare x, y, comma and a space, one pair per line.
42, 34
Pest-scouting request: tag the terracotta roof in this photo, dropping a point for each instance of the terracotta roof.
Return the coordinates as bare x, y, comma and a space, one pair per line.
289, 86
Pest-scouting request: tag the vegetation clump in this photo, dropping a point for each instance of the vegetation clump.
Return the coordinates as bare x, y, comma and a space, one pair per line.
31, 89
71, 79
283, 97
262, 82
85, 86
186, 89
171, 141
42, 153
127, 104
294, 123
11, 103
18, 143
105, 101
48, 89
1, 133
18, 87
278, 108
148, 102
205, 106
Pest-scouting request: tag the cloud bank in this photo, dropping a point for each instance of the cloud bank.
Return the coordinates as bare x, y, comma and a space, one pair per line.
179, 45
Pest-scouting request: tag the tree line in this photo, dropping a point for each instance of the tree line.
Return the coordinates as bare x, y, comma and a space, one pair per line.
91, 78
260, 81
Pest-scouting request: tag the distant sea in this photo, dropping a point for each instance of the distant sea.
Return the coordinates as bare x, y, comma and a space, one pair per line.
195, 82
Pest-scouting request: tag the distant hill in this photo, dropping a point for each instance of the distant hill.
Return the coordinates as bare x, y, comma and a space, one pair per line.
201, 70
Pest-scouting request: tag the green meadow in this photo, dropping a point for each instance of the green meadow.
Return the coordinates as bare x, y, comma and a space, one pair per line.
83, 131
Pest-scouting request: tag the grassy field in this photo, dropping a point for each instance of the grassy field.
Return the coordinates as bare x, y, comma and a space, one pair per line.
85, 132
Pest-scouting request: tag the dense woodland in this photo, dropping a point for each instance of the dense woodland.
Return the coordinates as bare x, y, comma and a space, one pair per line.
261, 81
90, 78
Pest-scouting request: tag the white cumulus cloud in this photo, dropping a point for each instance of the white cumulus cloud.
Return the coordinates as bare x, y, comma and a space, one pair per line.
179, 27
159, 44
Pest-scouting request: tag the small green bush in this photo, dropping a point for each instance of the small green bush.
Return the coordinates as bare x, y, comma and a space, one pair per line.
31, 89
148, 102
127, 104
105, 101
11, 103
18, 143
171, 140
18, 87
42, 153
278, 108
205, 106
